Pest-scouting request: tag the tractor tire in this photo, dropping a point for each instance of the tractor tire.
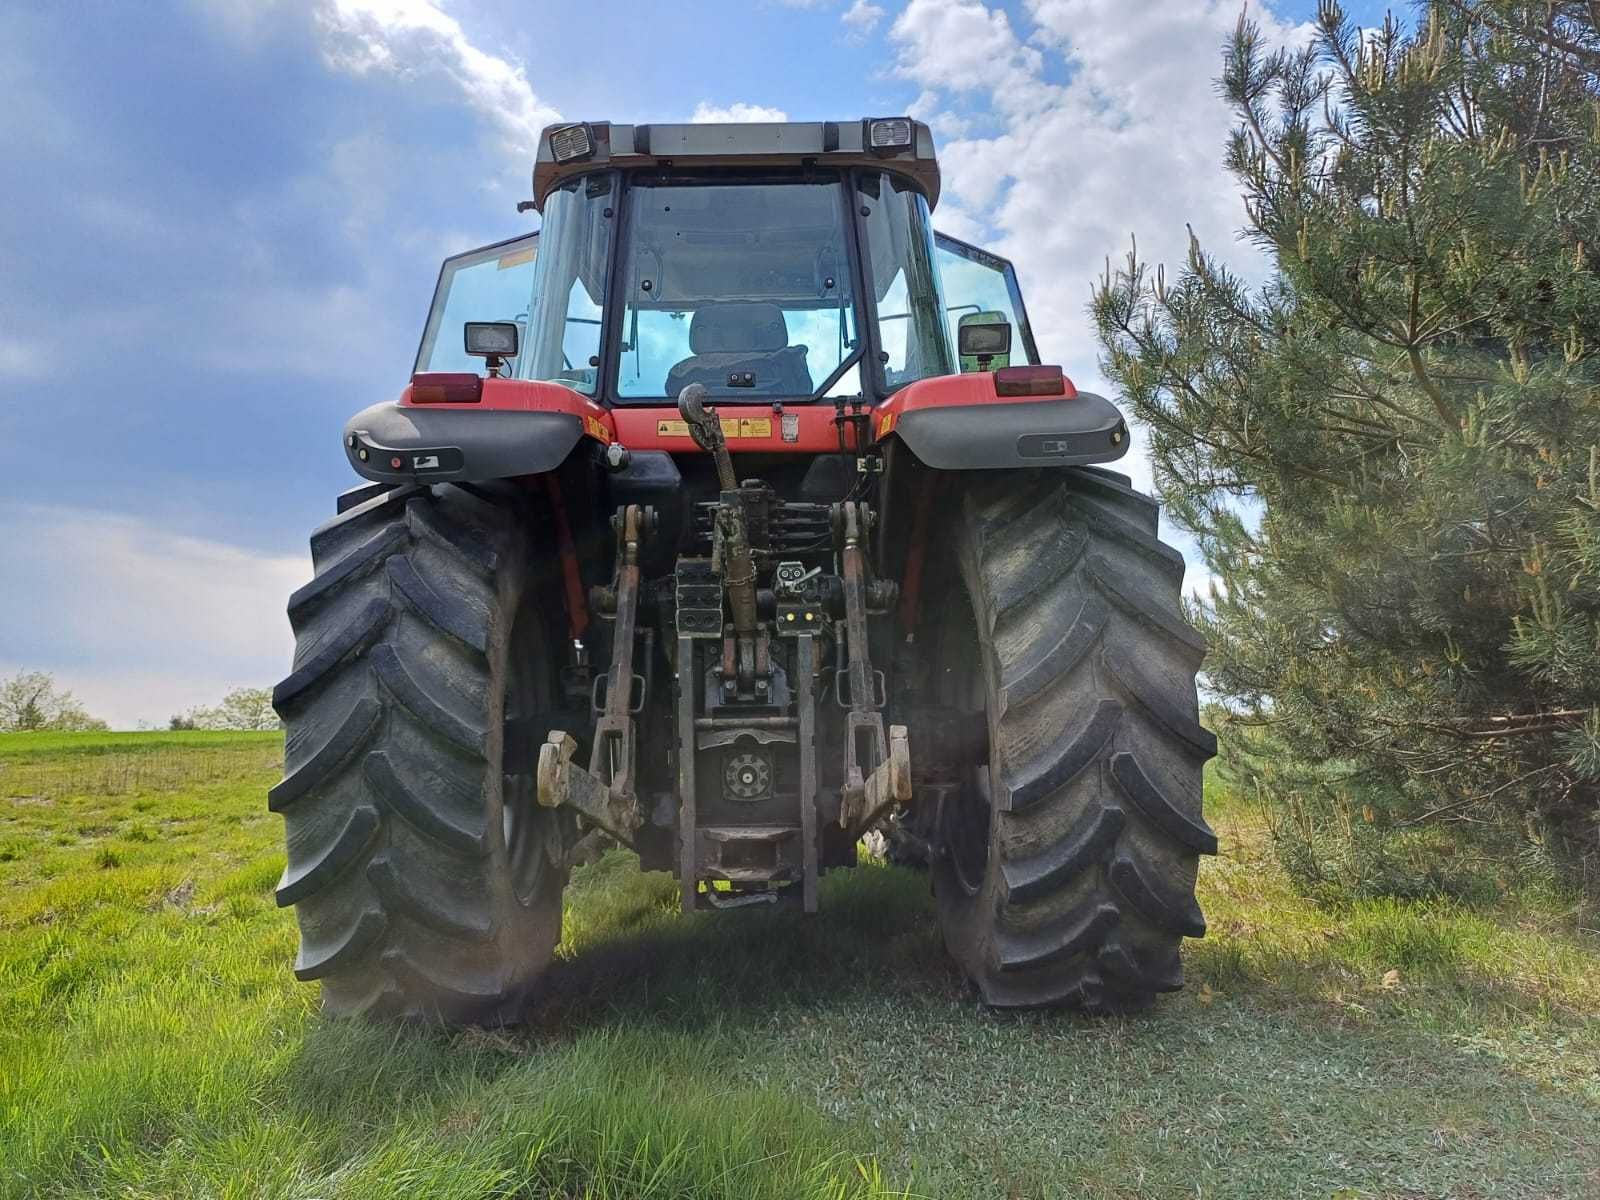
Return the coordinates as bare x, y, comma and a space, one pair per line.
426, 881
1068, 856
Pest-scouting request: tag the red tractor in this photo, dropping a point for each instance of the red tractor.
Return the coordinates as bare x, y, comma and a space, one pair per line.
729, 517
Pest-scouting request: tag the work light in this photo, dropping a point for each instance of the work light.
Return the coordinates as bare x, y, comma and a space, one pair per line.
889, 134
491, 339
571, 142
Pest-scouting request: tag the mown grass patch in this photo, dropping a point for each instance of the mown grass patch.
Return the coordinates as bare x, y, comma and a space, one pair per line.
153, 1042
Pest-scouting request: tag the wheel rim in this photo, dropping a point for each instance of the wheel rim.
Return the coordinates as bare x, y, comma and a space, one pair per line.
525, 826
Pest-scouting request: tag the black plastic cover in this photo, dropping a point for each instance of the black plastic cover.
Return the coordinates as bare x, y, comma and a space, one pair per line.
389, 443
1029, 433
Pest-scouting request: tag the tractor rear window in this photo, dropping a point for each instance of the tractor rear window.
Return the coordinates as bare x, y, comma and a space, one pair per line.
743, 287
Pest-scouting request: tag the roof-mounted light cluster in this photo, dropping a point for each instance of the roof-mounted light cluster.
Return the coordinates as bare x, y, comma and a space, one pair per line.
900, 144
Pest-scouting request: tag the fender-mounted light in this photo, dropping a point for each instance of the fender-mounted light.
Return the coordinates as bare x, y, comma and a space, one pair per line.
888, 135
1031, 381
570, 143
446, 387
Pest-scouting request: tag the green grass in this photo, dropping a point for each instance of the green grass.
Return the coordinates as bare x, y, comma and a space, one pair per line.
153, 1042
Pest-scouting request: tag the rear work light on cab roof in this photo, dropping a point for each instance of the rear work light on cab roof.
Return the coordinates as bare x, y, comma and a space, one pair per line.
1033, 381
446, 387
571, 143
889, 135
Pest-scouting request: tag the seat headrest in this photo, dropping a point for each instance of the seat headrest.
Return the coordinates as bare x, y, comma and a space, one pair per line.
737, 328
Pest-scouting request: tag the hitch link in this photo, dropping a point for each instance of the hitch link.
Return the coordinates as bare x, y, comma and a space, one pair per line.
877, 776
604, 794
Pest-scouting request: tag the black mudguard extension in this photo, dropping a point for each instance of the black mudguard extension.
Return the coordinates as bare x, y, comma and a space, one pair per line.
390, 444
1026, 433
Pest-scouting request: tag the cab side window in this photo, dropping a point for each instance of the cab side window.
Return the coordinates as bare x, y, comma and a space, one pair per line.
491, 284
976, 281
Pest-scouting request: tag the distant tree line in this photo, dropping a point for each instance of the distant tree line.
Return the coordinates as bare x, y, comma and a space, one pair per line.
242, 708
1389, 454
31, 701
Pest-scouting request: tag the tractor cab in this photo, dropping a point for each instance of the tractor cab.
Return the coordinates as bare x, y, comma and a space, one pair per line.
792, 263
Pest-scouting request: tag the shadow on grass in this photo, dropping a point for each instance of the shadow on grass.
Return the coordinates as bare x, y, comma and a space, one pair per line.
876, 934
634, 966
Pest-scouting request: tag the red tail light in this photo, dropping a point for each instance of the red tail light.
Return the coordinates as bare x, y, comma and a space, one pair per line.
1033, 381
446, 387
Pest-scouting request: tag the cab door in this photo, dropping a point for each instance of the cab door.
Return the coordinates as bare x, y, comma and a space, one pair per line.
976, 281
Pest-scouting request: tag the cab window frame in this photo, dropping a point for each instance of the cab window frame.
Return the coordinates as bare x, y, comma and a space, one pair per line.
880, 387
432, 322
1008, 271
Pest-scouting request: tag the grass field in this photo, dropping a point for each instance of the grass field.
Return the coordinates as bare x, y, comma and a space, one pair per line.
153, 1042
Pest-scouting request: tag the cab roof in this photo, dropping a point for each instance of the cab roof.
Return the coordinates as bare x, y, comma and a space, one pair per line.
776, 144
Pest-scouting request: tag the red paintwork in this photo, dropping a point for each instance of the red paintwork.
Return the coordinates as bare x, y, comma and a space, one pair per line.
521, 395
639, 429
949, 391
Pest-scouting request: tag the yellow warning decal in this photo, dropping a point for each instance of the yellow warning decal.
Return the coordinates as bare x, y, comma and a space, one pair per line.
885, 423
515, 259
732, 427
596, 429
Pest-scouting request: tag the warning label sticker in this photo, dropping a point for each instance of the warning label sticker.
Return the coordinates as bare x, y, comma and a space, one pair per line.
732, 427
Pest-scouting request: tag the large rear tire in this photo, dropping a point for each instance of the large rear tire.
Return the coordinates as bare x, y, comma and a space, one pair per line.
1068, 855
427, 883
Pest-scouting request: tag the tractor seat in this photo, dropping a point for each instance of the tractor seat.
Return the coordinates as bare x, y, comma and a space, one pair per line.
738, 336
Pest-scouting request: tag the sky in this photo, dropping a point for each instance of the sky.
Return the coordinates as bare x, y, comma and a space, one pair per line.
221, 223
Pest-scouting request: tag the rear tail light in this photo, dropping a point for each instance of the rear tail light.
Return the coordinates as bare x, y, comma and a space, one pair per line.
446, 387
1033, 381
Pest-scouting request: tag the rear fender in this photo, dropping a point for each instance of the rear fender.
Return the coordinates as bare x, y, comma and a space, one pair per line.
961, 423
516, 428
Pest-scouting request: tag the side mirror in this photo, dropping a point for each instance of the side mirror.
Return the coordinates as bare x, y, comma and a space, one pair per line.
492, 341
983, 339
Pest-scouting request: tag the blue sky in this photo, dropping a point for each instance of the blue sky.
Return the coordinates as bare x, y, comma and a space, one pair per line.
221, 224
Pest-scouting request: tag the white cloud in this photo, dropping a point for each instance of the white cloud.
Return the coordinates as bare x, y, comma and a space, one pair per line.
140, 623
712, 114
946, 124
1131, 143
861, 18
961, 46
416, 38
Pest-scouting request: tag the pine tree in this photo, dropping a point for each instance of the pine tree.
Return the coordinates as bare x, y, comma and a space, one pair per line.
1389, 454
